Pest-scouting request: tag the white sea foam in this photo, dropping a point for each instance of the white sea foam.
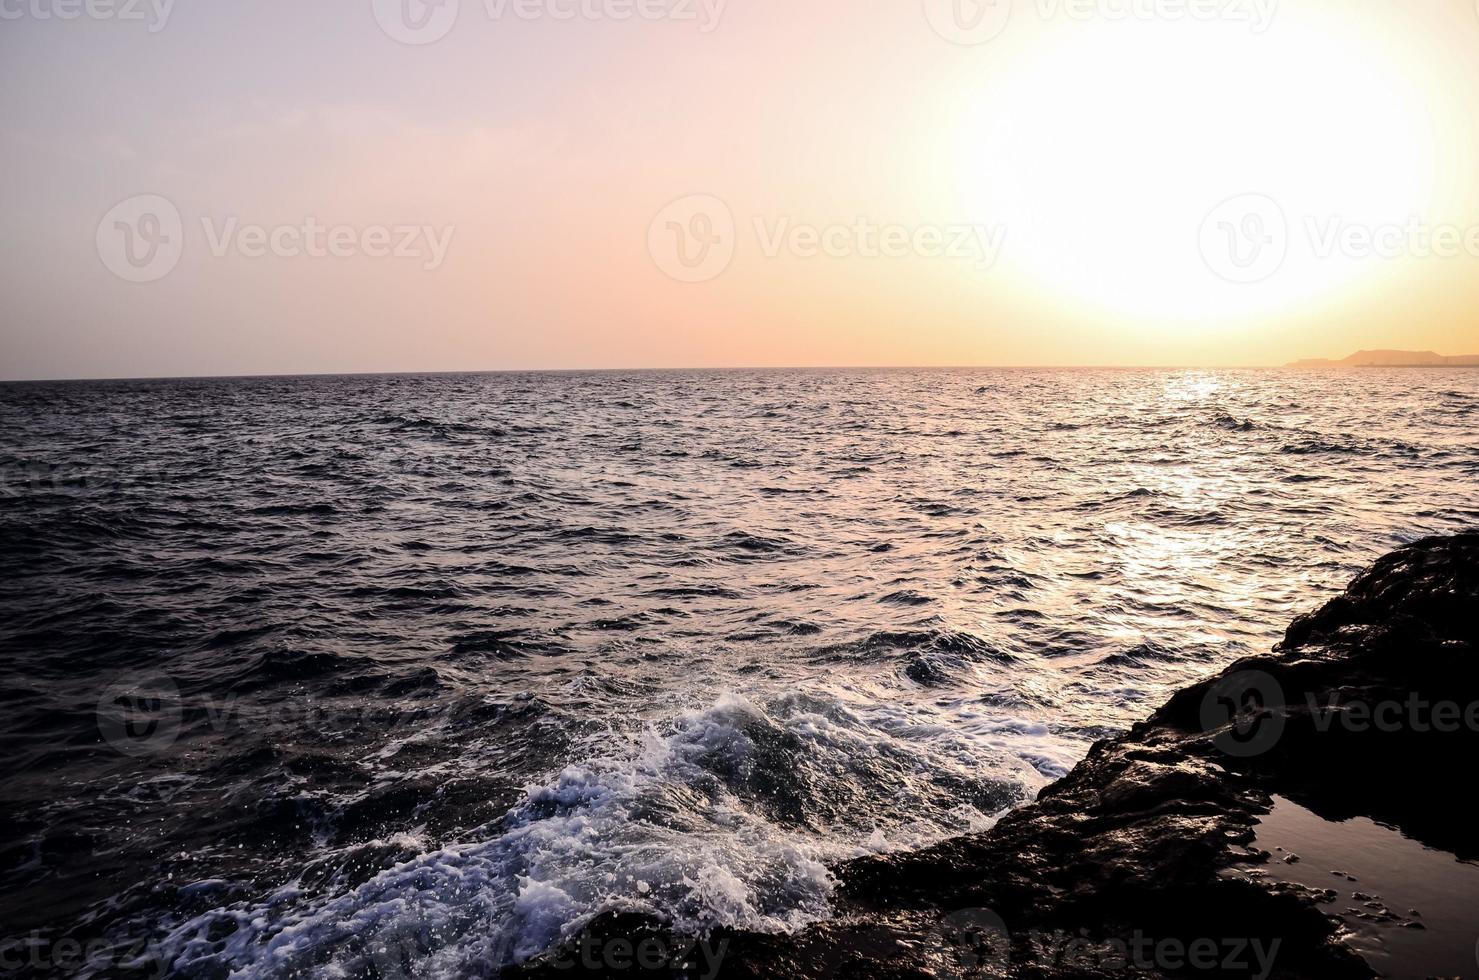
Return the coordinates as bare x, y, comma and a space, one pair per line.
688, 824
681, 824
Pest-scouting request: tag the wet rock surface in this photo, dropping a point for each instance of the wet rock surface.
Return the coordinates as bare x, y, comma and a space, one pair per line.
1141, 861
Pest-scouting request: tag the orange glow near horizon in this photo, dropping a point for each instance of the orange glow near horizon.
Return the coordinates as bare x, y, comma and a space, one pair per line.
1098, 182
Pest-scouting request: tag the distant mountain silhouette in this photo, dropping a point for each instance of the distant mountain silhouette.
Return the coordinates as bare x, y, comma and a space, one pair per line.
1392, 358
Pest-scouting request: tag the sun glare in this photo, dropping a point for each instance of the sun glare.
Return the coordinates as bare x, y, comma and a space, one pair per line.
1105, 146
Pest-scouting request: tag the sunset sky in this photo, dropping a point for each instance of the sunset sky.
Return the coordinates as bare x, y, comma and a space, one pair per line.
683, 183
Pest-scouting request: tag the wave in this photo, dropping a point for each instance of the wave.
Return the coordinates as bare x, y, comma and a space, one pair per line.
728, 818
419, 594
1231, 423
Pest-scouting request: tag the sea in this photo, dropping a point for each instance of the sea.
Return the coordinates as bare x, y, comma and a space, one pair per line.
374, 676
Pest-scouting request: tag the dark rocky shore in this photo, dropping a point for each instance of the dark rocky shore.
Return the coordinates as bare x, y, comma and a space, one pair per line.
1144, 861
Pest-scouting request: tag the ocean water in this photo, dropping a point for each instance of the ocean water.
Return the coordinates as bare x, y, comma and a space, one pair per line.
412, 675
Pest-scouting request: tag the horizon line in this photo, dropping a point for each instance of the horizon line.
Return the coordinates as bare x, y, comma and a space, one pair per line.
444, 372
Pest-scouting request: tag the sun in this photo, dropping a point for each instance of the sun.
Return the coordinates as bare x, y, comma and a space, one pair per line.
1104, 146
